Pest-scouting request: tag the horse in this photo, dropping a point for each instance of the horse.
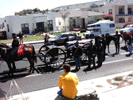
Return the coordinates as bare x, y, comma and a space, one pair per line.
24, 51
125, 37
110, 38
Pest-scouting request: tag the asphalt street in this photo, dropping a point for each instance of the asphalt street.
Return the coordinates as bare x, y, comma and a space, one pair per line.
48, 77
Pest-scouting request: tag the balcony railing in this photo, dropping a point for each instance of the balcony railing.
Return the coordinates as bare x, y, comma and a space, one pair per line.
129, 14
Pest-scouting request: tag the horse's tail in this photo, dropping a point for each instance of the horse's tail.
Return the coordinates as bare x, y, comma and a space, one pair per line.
34, 55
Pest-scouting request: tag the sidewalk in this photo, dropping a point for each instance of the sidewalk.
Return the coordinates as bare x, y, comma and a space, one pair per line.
104, 90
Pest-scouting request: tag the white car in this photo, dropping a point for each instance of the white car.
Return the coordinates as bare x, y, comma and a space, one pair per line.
128, 28
81, 42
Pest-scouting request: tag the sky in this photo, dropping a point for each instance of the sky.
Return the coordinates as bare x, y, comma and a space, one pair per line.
9, 7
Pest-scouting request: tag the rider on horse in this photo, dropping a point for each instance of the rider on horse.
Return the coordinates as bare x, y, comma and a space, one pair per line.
15, 45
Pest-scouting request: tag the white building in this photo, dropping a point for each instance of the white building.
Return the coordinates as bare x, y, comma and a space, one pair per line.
122, 11
27, 24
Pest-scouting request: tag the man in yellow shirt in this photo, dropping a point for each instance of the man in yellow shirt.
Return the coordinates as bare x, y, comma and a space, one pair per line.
68, 83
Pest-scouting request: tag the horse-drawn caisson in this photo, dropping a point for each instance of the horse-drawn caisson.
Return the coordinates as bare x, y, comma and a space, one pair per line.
50, 55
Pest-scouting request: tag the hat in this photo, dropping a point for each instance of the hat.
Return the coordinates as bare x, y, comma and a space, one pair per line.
77, 42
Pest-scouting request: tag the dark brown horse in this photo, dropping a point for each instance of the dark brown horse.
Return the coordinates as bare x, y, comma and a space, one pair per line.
108, 39
24, 51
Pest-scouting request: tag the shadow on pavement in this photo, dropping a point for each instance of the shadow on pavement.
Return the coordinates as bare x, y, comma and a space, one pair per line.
90, 69
2, 94
6, 78
83, 97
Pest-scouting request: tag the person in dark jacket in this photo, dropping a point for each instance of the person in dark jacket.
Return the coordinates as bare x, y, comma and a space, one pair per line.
15, 44
99, 49
91, 51
67, 39
117, 43
104, 46
77, 50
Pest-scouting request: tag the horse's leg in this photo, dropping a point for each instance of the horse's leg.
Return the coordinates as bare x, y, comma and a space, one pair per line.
10, 69
14, 66
32, 67
108, 48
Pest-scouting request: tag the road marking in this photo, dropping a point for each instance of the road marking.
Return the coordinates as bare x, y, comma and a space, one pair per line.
32, 75
117, 61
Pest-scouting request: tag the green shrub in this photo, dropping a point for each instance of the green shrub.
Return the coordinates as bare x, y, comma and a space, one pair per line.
118, 78
115, 84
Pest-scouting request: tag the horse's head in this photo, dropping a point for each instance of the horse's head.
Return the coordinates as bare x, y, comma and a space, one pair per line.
3, 49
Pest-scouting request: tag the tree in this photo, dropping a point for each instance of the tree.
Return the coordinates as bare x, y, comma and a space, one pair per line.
108, 17
30, 11
64, 15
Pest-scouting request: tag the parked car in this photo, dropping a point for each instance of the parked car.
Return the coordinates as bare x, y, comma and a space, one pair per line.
128, 28
60, 38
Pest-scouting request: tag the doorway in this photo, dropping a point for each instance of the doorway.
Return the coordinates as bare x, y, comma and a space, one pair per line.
40, 27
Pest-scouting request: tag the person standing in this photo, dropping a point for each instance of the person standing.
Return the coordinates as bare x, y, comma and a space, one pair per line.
46, 37
68, 83
20, 35
65, 42
104, 46
130, 43
91, 51
117, 42
77, 53
99, 49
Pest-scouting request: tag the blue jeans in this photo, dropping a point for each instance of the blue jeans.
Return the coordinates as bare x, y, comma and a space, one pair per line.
60, 92
77, 61
130, 48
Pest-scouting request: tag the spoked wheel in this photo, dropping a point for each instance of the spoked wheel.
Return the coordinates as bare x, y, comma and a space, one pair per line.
84, 57
55, 57
42, 52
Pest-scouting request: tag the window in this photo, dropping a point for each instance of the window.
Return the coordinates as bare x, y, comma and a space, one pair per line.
8, 28
96, 30
129, 10
121, 10
98, 25
121, 20
93, 26
110, 11
63, 36
71, 34
59, 23
112, 25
